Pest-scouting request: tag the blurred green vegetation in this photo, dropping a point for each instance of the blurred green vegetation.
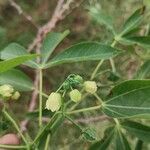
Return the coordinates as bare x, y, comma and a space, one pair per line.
15, 28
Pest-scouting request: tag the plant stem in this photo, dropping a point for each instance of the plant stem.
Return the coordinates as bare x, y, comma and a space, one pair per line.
40, 97
71, 120
15, 125
99, 99
112, 65
111, 59
96, 69
40, 133
47, 142
43, 94
84, 109
12, 146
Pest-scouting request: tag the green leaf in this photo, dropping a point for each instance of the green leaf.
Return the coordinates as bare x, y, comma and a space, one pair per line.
127, 86
83, 52
139, 145
101, 18
51, 127
14, 50
89, 134
11, 63
140, 40
19, 80
50, 43
137, 129
129, 99
121, 141
105, 142
144, 71
133, 21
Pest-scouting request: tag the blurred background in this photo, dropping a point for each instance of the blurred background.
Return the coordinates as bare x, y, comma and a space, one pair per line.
83, 27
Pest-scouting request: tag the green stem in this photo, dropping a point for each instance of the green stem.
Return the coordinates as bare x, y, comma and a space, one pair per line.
99, 99
47, 142
96, 69
111, 59
117, 121
43, 94
112, 63
12, 146
15, 125
76, 125
40, 97
84, 109
39, 135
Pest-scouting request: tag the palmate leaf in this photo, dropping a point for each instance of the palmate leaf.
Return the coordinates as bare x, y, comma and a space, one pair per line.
121, 141
133, 21
50, 43
83, 52
127, 86
137, 129
129, 99
18, 79
105, 142
101, 18
139, 145
15, 50
144, 71
11, 63
140, 40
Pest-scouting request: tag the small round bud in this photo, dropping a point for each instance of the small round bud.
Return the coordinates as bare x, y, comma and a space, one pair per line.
16, 95
54, 102
90, 86
6, 90
75, 95
79, 79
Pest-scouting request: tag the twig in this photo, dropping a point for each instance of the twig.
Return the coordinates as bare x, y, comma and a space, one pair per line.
58, 15
21, 12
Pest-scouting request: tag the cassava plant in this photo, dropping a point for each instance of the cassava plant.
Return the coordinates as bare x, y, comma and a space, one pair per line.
126, 105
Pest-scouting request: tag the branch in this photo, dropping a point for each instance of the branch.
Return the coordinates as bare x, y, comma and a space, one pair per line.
21, 12
59, 14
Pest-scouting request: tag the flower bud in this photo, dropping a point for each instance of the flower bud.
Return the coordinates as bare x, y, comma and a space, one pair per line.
54, 102
16, 95
6, 90
90, 86
75, 95
79, 79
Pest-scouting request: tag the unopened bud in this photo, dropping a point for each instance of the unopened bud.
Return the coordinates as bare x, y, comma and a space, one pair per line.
75, 95
6, 90
54, 102
16, 95
90, 86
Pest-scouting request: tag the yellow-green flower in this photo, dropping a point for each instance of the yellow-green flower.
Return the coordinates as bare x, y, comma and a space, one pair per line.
6, 90
16, 95
75, 95
90, 86
54, 102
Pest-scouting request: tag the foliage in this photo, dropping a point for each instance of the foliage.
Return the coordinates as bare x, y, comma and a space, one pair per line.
126, 103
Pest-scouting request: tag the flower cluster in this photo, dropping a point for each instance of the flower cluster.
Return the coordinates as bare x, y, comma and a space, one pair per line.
71, 84
8, 92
